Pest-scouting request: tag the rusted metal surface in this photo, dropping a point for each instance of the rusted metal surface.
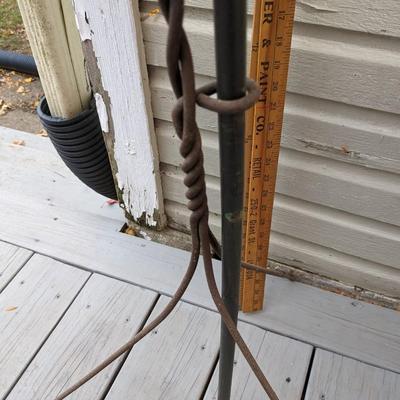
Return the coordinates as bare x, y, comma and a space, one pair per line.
181, 73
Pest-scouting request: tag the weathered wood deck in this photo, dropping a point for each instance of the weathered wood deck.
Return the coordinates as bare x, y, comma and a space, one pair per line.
73, 288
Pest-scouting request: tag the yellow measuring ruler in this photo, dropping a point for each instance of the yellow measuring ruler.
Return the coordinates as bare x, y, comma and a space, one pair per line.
271, 43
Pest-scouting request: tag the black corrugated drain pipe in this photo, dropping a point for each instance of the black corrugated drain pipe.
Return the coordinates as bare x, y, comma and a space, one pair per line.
79, 142
18, 62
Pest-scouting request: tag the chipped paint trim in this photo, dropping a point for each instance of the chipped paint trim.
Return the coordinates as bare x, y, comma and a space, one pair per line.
115, 33
102, 111
83, 26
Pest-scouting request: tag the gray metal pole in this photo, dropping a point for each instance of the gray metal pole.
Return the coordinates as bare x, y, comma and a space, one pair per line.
230, 40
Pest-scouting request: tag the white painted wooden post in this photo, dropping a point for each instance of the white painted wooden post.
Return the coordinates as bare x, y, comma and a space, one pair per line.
114, 51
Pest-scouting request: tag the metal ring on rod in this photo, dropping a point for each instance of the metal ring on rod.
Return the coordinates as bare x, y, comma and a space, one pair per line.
227, 106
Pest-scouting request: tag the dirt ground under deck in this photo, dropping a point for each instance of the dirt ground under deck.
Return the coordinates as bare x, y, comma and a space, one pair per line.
19, 93
19, 96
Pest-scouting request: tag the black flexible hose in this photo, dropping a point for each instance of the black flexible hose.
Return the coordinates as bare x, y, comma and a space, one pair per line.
18, 62
79, 142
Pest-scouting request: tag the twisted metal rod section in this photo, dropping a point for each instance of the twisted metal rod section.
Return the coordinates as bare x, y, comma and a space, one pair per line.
181, 73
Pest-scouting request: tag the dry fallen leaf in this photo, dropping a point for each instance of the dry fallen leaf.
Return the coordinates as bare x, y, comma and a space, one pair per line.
130, 231
20, 89
19, 142
12, 308
110, 202
42, 133
151, 13
345, 149
28, 80
35, 103
4, 107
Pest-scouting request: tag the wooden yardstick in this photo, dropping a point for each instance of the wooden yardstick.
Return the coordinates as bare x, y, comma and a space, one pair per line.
271, 43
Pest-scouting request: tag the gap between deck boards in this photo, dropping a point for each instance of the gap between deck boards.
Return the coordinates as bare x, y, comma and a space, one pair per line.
81, 234
177, 360
89, 302
278, 325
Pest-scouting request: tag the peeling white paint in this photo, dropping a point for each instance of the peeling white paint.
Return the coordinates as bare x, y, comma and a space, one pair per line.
145, 235
102, 111
82, 24
131, 147
112, 28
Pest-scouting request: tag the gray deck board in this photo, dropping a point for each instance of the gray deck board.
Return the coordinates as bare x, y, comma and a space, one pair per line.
362, 331
284, 361
334, 377
175, 360
12, 259
30, 307
105, 314
36, 172
65, 221
57, 324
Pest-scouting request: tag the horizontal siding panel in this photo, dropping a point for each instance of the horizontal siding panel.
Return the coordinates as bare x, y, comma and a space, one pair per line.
345, 72
346, 133
340, 231
353, 189
336, 211
368, 16
335, 70
343, 232
371, 194
380, 18
349, 134
328, 262
311, 257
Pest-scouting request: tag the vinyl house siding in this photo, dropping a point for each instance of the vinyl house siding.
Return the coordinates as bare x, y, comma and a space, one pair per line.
337, 208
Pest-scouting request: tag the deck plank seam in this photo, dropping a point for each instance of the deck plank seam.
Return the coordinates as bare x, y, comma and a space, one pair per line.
208, 381
265, 328
350, 357
310, 367
126, 355
19, 269
12, 386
